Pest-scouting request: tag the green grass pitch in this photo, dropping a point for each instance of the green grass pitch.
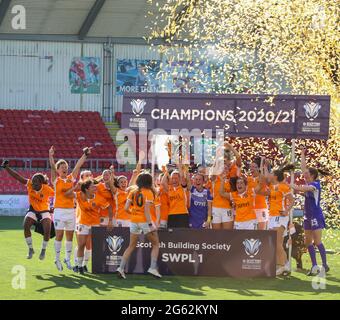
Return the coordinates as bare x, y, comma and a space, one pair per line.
44, 282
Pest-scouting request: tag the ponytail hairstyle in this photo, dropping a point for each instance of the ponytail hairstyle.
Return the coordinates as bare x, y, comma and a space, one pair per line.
227, 154
86, 185
103, 173
314, 172
82, 173
145, 180
244, 179
116, 180
279, 173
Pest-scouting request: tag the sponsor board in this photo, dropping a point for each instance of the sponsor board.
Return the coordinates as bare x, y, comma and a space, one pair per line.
234, 253
14, 202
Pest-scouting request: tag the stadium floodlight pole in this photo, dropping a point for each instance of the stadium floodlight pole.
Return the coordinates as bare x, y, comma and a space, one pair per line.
292, 177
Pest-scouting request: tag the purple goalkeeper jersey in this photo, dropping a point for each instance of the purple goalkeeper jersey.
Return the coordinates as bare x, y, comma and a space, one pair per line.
198, 211
312, 202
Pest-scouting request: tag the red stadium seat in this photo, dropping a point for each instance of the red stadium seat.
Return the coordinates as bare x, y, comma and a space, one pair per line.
118, 117
28, 134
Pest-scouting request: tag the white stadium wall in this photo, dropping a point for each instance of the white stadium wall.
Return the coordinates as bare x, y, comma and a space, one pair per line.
35, 75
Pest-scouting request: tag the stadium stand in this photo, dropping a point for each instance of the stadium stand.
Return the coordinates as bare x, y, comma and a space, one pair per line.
118, 117
27, 135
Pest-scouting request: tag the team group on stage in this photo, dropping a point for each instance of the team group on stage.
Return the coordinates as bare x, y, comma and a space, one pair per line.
218, 197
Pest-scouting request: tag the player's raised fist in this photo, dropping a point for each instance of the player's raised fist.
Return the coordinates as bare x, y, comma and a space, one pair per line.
87, 151
141, 155
51, 151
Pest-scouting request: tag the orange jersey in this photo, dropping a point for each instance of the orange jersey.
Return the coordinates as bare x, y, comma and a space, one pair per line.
218, 200
39, 200
164, 201
138, 200
178, 200
260, 200
244, 205
120, 198
209, 185
234, 171
277, 197
60, 187
89, 209
157, 203
107, 195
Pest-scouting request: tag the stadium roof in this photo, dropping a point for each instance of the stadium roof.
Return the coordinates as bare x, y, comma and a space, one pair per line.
77, 20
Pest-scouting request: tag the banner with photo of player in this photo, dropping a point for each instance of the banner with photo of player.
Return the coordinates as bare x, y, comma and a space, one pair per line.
135, 75
154, 76
85, 75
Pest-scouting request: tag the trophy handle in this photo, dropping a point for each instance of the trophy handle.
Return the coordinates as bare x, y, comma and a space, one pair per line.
169, 148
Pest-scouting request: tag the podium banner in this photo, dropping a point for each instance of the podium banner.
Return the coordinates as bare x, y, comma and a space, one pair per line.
189, 252
240, 115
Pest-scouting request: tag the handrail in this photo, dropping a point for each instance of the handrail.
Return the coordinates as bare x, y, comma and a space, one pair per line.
94, 163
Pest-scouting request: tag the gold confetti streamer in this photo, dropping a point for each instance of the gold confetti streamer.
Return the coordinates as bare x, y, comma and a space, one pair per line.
262, 47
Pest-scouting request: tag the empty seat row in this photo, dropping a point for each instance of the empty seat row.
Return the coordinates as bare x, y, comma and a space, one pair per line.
30, 133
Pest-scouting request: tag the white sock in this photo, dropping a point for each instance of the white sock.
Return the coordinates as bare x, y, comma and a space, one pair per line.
80, 261
75, 255
68, 249
57, 248
87, 256
29, 242
44, 244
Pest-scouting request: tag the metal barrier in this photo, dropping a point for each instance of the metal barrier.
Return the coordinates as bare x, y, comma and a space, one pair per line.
91, 164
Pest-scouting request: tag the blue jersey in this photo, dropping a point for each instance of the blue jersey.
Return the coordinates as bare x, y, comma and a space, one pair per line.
312, 201
198, 211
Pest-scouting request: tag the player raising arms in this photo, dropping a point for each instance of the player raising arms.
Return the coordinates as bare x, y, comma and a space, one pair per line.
89, 205
222, 215
164, 203
140, 200
106, 190
39, 193
244, 201
281, 201
261, 208
121, 190
314, 220
176, 186
233, 167
84, 175
64, 211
